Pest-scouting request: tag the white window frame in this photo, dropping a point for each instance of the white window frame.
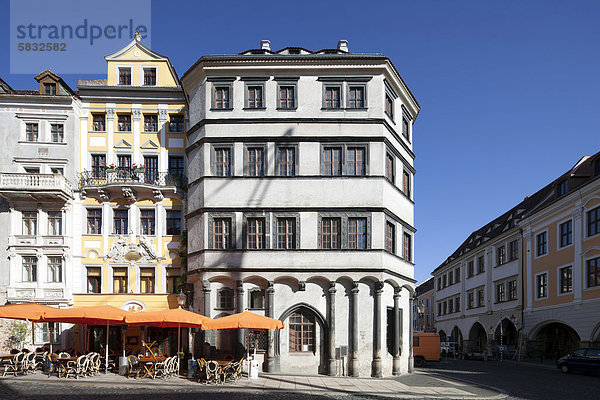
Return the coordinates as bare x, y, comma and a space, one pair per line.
535, 285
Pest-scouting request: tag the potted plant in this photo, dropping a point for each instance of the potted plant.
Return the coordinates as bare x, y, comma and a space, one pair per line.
139, 168
110, 167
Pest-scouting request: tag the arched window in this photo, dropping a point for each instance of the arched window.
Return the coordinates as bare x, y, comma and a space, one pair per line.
302, 332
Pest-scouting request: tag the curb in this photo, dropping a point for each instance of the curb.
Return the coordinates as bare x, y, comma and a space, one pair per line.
502, 393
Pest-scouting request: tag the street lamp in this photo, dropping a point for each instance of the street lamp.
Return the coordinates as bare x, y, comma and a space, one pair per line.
181, 297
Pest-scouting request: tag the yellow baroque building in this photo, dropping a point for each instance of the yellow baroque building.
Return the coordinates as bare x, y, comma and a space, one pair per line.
130, 200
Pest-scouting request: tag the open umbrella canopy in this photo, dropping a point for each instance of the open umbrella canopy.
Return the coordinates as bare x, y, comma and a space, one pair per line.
96, 315
30, 311
173, 318
244, 320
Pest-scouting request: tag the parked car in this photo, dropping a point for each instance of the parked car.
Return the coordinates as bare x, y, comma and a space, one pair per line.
587, 360
448, 348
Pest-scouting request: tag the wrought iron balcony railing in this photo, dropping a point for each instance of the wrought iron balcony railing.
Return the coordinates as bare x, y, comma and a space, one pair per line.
129, 176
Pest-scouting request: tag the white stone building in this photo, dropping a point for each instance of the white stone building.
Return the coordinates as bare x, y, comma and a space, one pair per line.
300, 205
37, 167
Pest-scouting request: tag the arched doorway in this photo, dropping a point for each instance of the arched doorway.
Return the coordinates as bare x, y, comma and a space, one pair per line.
555, 340
301, 346
443, 336
477, 338
506, 333
457, 338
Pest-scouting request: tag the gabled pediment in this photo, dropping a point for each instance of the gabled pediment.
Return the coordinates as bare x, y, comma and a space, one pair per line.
123, 144
149, 145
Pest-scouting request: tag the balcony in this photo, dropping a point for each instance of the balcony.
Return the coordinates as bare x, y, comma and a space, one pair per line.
130, 183
35, 187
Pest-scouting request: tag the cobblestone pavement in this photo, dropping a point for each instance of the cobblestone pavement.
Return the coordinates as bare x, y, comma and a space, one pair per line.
521, 380
420, 385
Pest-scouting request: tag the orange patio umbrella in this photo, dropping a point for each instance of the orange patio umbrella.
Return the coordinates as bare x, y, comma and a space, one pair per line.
173, 318
30, 311
96, 315
244, 320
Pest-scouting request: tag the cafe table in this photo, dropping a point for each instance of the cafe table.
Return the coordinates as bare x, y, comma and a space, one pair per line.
62, 364
149, 364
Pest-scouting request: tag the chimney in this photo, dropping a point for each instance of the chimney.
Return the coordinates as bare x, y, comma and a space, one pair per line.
343, 46
265, 45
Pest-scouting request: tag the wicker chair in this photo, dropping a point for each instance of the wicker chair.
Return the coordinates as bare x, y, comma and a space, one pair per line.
214, 372
29, 363
15, 365
135, 368
78, 368
233, 371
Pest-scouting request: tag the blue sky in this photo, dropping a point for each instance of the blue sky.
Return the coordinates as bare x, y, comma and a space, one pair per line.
509, 90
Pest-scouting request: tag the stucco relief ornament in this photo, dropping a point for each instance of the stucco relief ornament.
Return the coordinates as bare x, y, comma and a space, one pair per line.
118, 249
121, 251
137, 36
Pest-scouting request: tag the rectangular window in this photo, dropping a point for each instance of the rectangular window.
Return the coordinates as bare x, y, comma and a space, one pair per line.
176, 166
500, 255
222, 233
450, 306
457, 275
125, 76
389, 107
31, 132
173, 275
222, 161
407, 247
470, 300
42, 333
173, 222
470, 269
254, 97
222, 97
255, 161
30, 223
149, 76
357, 233
150, 123
566, 279
593, 272
332, 161
286, 97
566, 233
29, 269
541, 286
98, 166
444, 280
406, 183
512, 290
93, 280
147, 222
120, 222
147, 280
480, 298
120, 280
356, 161
286, 233
256, 299
445, 307
286, 161
450, 278
124, 122
124, 163
356, 97
54, 269
332, 97
389, 168
176, 123
330, 233
94, 221
405, 128
98, 122
480, 265
439, 308
541, 244
54, 223
457, 304
390, 237
500, 293
57, 133
513, 250
255, 233
301, 333
225, 299
50, 89
593, 221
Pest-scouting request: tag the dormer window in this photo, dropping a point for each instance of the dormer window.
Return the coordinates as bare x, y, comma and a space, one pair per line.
50, 89
562, 188
125, 76
149, 76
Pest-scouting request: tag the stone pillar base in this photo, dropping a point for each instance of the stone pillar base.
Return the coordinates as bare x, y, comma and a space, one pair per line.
376, 370
353, 367
396, 366
269, 364
332, 367
411, 364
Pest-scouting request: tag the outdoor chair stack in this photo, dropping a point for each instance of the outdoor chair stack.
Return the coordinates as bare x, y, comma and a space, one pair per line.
16, 365
233, 371
78, 368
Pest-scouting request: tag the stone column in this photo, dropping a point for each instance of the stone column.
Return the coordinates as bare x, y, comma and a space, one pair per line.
397, 333
331, 317
269, 364
410, 333
353, 362
239, 307
209, 336
376, 371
